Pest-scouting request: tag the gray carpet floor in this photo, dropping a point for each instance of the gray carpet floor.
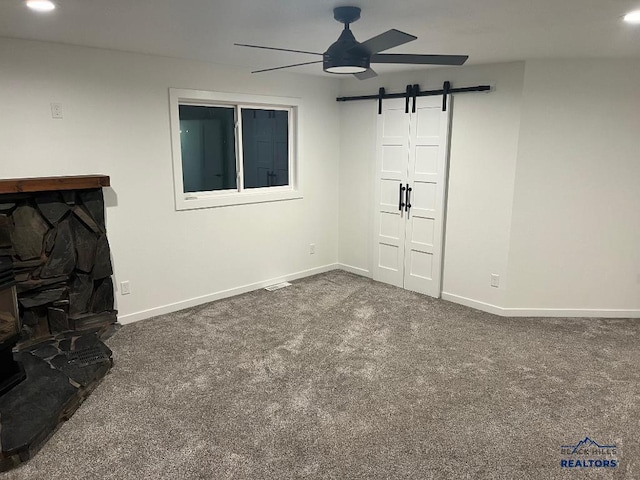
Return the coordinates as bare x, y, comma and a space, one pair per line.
340, 377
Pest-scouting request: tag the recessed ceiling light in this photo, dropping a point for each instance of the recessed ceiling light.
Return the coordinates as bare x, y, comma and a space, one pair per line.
632, 17
41, 5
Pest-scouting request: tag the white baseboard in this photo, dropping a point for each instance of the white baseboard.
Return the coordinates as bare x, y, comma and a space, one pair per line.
192, 302
541, 312
571, 312
355, 270
468, 302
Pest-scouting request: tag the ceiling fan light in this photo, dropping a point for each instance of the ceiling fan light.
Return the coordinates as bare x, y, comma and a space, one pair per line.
41, 5
344, 69
632, 17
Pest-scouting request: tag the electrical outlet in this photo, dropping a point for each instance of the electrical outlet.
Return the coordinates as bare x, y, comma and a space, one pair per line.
495, 280
312, 248
56, 110
125, 288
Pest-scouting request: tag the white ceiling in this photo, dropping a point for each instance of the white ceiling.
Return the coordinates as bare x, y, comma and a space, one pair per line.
486, 30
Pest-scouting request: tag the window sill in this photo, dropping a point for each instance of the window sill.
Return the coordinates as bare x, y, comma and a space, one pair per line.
203, 200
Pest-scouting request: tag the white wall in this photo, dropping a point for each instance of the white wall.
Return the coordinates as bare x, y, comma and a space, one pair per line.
543, 185
116, 122
575, 239
484, 147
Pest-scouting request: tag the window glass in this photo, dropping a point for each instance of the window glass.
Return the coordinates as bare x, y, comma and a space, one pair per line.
265, 147
233, 148
207, 140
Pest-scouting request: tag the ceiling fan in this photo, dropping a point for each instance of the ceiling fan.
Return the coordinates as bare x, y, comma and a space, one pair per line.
347, 55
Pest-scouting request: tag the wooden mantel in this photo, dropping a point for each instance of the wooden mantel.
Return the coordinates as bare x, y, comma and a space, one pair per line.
47, 184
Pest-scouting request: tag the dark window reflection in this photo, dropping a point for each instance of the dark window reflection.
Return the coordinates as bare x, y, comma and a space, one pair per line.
265, 147
208, 148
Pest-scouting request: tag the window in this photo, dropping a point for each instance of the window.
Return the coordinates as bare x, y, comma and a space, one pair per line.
232, 149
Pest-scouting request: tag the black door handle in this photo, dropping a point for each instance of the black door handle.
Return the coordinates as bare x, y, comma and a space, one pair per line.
400, 204
407, 205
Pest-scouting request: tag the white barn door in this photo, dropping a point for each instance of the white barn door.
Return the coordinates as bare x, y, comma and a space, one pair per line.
427, 177
392, 154
419, 160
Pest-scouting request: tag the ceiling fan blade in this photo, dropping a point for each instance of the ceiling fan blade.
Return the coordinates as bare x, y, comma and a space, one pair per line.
387, 40
274, 48
366, 74
419, 59
285, 66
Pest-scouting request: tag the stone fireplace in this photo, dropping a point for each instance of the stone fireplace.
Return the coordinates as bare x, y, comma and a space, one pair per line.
56, 305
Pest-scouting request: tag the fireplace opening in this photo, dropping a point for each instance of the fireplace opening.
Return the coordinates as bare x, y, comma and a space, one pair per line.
11, 372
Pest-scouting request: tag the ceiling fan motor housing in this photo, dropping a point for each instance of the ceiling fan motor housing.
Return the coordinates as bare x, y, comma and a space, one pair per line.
346, 55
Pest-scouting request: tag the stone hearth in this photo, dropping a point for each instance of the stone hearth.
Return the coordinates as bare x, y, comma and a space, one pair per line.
53, 234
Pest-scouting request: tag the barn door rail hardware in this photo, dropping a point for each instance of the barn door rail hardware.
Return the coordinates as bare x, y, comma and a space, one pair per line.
413, 91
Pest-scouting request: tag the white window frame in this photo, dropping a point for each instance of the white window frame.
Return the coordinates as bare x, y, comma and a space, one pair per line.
240, 195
